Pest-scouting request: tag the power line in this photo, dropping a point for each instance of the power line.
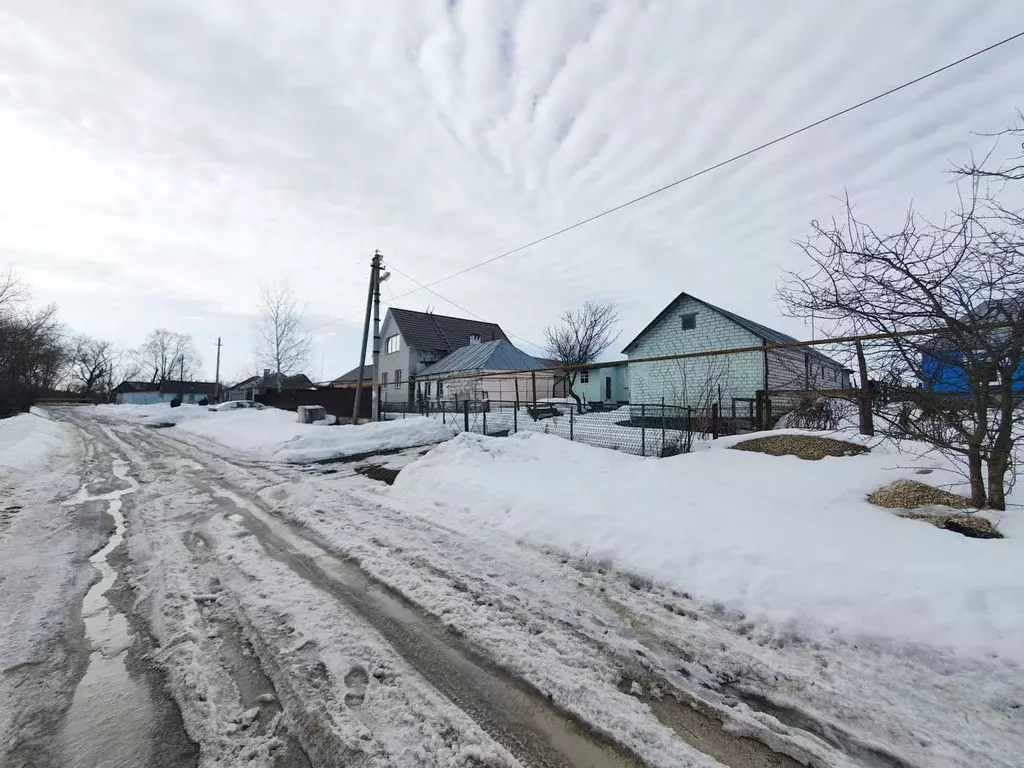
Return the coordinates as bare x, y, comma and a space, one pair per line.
716, 166
702, 172
406, 275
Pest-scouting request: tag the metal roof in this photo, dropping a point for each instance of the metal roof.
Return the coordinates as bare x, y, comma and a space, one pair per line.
498, 355
769, 335
353, 375
427, 331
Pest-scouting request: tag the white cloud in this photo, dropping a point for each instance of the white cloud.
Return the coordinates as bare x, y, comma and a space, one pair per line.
171, 155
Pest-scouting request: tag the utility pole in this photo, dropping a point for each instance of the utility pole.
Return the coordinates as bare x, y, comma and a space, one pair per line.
374, 265
378, 279
181, 382
216, 385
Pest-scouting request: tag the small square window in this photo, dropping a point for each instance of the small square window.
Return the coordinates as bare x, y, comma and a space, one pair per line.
689, 322
585, 377
398, 378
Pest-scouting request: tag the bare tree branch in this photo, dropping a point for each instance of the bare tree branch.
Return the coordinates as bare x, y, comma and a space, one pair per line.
283, 341
580, 338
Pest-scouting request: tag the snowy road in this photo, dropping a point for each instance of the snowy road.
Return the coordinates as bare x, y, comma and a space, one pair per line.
305, 616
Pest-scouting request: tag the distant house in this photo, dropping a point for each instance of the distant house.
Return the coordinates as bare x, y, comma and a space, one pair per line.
351, 379
148, 393
458, 375
255, 386
412, 341
608, 384
689, 324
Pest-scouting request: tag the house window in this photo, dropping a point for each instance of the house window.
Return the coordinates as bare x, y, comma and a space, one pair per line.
384, 379
440, 390
391, 344
689, 322
585, 377
426, 389
398, 378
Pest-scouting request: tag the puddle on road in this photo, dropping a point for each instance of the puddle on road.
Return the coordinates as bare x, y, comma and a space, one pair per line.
110, 721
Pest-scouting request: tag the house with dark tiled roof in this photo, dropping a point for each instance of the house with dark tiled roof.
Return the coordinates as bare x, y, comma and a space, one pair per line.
350, 379
692, 325
411, 341
147, 393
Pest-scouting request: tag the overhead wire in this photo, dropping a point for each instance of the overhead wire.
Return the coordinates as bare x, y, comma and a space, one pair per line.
703, 171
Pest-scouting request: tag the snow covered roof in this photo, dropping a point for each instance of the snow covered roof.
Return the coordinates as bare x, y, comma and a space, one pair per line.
427, 331
769, 335
499, 355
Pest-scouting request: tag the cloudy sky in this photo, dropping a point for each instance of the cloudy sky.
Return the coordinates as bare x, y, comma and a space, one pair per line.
159, 160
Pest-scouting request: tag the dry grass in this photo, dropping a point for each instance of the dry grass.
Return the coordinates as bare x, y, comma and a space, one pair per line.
807, 447
910, 494
971, 526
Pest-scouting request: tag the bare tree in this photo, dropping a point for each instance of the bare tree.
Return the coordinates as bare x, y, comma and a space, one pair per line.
91, 364
165, 355
32, 349
282, 340
580, 338
959, 285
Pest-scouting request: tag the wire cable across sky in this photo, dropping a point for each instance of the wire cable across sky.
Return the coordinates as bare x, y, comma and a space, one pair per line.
702, 172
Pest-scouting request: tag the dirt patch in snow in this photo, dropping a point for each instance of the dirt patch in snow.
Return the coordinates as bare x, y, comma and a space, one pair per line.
378, 472
971, 526
807, 447
910, 494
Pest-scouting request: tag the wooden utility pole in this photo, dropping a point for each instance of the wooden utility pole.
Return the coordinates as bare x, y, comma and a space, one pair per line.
216, 385
372, 303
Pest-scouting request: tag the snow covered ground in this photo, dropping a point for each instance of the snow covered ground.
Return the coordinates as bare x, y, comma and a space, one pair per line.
275, 435
786, 541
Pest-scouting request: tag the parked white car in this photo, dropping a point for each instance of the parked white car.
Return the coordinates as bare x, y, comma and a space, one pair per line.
231, 405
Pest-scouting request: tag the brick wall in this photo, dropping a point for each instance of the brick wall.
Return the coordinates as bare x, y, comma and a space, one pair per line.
692, 381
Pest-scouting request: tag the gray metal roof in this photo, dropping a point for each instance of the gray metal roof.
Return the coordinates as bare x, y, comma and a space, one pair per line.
769, 335
427, 331
353, 375
498, 355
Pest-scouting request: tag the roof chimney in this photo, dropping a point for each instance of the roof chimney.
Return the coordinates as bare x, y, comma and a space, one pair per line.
474, 338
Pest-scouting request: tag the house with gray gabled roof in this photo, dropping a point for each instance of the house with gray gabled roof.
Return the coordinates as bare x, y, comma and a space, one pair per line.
690, 325
459, 374
411, 341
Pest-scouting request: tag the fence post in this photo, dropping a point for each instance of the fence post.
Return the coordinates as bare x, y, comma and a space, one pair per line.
759, 404
570, 424
689, 420
662, 452
515, 412
444, 413
533, 379
465, 413
714, 421
643, 429
767, 411
485, 421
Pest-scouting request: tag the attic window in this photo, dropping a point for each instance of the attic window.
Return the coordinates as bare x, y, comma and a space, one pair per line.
689, 322
474, 338
391, 344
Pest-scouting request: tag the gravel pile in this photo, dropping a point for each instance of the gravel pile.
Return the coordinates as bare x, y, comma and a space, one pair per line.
910, 494
802, 446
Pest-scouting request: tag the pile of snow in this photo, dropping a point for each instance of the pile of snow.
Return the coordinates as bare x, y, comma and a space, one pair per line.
788, 541
275, 435
27, 439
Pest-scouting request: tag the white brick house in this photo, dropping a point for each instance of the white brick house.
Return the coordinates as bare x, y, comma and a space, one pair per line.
689, 324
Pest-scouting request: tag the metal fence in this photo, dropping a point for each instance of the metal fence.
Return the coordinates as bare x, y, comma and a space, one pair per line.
643, 429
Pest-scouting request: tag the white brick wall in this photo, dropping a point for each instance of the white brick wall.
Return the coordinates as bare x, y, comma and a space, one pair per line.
692, 381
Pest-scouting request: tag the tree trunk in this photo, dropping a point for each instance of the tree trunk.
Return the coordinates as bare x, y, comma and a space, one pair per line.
997, 465
977, 479
867, 422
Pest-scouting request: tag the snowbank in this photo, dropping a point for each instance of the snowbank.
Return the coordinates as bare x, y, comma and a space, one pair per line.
27, 439
276, 435
781, 539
